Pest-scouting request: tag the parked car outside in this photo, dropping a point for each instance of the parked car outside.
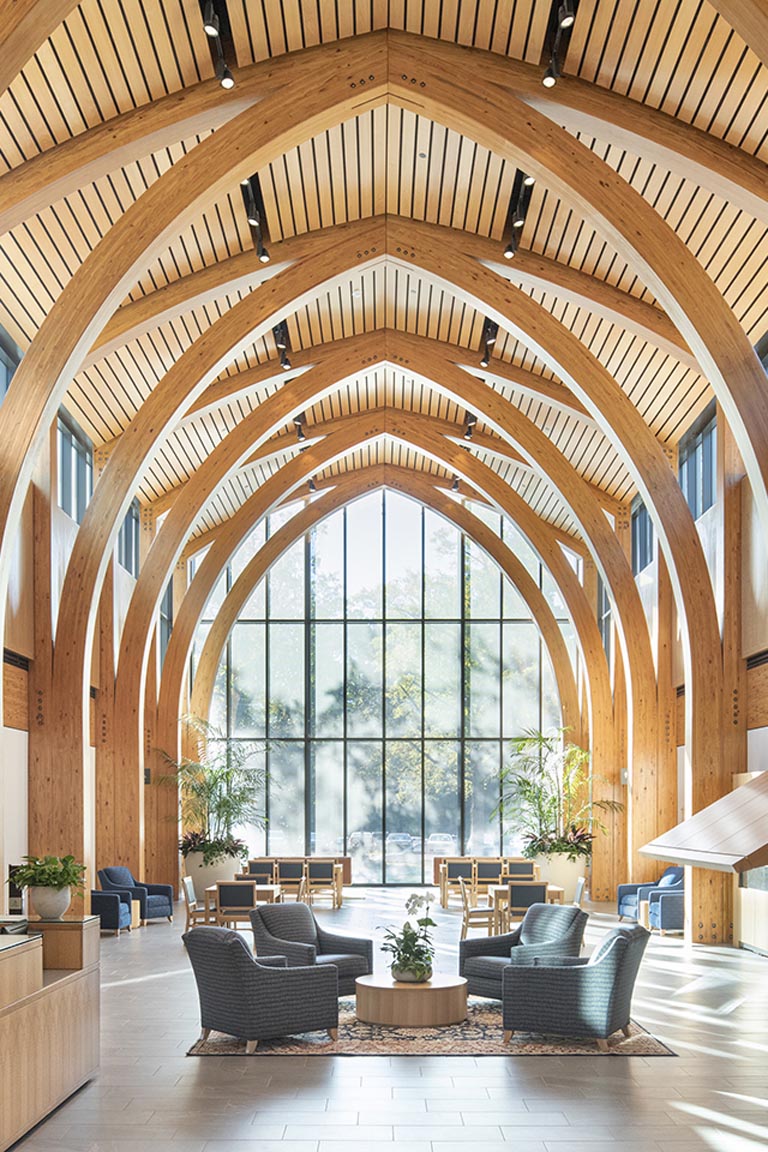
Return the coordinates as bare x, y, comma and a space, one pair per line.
399, 842
440, 844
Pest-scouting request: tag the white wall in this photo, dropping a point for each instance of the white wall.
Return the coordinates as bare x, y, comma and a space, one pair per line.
757, 750
13, 803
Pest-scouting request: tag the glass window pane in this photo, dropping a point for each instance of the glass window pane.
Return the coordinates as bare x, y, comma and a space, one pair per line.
247, 550
403, 557
216, 598
285, 830
484, 584
403, 840
364, 558
248, 682
442, 568
442, 822
442, 679
286, 680
481, 796
515, 540
403, 663
286, 585
552, 595
256, 837
364, 809
520, 678
551, 716
327, 560
515, 608
326, 807
364, 680
328, 680
483, 672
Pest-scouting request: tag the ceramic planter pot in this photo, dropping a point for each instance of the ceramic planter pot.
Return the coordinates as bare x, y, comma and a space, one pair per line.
203, 875
50, 903
406, 976
558, 869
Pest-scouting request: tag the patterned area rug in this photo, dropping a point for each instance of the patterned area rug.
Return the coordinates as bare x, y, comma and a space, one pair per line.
479, 1035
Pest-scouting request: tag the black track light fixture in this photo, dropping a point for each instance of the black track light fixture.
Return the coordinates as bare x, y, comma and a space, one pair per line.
223, 74
280, 333
251, 210
566, 14
487, 340
528, 180
254, 211
299, 422
285, 363
468, 432
261, 250
552, 74
455, 485
469, 425
210, 20
312, 485
511, 247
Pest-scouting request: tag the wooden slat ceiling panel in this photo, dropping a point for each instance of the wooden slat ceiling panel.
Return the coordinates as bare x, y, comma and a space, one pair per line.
264, 28
682, 58
106, 58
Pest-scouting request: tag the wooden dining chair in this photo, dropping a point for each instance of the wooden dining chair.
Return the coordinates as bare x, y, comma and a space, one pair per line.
522, 894
234, 902
195, 912
321, 878
477, 917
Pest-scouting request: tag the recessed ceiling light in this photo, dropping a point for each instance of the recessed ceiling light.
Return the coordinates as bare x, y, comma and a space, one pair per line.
356, 293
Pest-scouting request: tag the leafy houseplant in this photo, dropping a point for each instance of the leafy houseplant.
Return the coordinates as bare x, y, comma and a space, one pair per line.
50, 880
546, 793
218, 794
411, 948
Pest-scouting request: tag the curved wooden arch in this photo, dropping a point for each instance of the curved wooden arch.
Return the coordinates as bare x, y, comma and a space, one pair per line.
26, 25
244, 271
644, 131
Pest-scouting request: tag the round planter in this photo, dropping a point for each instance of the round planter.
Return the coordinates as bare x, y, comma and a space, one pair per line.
50, 903
558, 869
406, 976
203, 875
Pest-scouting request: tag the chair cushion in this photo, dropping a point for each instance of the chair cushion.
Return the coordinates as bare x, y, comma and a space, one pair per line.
158, 906
630, 901
118, 874
289, 922
348, 963
125, 915
546, 922
667, 879
487, 967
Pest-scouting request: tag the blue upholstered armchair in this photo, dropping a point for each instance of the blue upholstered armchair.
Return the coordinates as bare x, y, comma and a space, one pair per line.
292, 931
113, 909
258, 999
576, 996
155, 900
666, 910
629, 896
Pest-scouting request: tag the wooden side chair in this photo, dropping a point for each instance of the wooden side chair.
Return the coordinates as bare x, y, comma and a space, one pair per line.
453, 869
262, 870
289, 874
321, 879
522, 894
479, 917
234, 902
196, 913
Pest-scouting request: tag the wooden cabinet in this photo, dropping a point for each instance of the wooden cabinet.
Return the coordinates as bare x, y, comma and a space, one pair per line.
49, 1023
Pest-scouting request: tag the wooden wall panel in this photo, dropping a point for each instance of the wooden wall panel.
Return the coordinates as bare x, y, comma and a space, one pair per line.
757, 697
15, 697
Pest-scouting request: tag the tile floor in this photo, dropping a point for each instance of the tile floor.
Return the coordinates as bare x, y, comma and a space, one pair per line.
709, 1004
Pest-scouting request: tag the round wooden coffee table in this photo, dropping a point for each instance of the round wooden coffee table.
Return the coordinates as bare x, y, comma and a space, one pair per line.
440, 1001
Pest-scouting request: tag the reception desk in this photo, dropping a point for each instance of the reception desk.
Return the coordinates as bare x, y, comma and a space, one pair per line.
49, 1023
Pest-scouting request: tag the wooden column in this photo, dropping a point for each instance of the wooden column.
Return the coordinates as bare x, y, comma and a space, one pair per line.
107, 811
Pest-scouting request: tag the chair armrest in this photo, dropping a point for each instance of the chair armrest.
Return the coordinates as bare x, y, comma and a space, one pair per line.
296, 955
668, 890
106, 902
530, 953
127, 894
671, 910
272, 961
489, 945
281, 982
351, 945
560, 961
625, 890
160, 890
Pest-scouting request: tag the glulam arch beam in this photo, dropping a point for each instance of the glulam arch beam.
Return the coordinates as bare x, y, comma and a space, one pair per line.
26, 25
612, 118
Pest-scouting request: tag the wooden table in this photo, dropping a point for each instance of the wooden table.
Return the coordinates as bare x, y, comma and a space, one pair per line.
265, 894
499, 898
434, 1004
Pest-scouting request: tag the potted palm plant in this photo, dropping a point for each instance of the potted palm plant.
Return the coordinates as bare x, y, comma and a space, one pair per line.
50, 880
218, 792
411, 948
546, 795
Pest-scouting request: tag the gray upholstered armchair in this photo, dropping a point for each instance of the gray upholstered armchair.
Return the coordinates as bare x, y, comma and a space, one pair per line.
258, 999
579, 996
546, 930
155, 900
292, 931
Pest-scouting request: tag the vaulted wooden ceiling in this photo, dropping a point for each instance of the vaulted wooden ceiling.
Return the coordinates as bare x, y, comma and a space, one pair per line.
682, 59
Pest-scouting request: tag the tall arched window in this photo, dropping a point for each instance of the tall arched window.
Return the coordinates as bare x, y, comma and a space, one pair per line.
383, 665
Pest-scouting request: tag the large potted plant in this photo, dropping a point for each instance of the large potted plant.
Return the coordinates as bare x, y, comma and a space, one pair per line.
50, 880
546, 795
411, 948
218, 791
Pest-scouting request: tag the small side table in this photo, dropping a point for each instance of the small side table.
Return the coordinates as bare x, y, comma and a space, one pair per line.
135, 914
642, 914
434, 1004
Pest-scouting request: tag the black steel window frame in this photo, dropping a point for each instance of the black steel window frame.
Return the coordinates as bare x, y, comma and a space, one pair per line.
697, 463
463, 740
128, 540
604, 617
75, 468
642, 536
165, 620
10, 358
